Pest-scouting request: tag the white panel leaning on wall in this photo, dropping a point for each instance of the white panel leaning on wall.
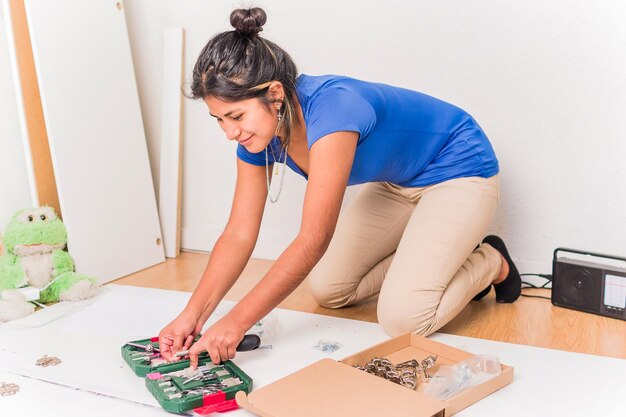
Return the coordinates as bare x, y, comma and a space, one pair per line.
96, 135
170, 178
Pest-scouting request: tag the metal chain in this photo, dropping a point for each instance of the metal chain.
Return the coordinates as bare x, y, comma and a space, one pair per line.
7, 389
275, 198
46, 360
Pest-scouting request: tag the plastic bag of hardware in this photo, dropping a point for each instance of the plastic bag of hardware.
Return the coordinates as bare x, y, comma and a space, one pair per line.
267, 328
450, 380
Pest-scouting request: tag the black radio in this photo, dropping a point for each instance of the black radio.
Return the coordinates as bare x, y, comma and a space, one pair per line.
589, 286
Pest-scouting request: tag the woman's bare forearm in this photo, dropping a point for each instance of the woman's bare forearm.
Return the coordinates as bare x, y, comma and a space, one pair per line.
228, 259
331, 161
289, 270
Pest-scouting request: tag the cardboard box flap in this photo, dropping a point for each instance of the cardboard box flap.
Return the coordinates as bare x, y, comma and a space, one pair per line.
409, 346
413, 346
329, 388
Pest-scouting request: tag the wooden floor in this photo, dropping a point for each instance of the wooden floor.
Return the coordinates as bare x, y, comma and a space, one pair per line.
528, 321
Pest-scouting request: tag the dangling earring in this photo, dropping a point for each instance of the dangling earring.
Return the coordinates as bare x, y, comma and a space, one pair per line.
280, 119
280, 116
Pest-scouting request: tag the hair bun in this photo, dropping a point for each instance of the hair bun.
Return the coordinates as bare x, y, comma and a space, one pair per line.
248, 22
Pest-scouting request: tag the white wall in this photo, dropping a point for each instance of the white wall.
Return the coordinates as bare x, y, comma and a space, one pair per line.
544, 79
14, 186
209, 159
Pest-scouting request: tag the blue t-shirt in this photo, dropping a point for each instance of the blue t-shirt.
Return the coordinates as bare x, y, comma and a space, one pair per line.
405, 137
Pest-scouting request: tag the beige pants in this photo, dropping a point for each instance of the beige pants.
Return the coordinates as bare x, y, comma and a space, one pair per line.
414, 246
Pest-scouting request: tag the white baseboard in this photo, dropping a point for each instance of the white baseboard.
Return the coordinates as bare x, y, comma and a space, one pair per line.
269, 246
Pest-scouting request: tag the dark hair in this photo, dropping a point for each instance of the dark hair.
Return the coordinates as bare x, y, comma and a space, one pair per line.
239, 64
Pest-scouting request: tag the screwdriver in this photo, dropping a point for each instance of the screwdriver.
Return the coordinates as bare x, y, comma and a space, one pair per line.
249, 342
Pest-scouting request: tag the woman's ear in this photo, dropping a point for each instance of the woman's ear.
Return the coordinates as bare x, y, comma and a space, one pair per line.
276, 92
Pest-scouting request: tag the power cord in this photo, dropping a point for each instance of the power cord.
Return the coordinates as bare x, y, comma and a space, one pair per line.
526, 285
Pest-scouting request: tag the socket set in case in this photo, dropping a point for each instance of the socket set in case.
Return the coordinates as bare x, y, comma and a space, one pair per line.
177, 388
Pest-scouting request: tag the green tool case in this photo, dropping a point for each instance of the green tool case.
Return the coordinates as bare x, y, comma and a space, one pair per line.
210, 388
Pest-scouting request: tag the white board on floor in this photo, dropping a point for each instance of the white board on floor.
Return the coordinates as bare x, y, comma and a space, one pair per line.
555, 383
96, 135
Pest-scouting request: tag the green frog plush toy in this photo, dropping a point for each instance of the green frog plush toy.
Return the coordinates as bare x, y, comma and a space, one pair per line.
35, 242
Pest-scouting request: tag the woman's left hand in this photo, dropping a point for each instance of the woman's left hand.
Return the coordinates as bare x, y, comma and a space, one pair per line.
220, 341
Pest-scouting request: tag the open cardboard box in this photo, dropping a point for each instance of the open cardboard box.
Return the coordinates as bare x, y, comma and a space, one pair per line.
331, 388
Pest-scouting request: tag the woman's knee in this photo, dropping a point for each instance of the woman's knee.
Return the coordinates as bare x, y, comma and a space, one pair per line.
325, 290
397, 318
320, 294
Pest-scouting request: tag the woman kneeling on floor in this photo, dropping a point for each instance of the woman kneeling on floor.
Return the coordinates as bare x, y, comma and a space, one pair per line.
413, 235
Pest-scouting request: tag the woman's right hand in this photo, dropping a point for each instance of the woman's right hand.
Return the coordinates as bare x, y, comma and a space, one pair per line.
178, 335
